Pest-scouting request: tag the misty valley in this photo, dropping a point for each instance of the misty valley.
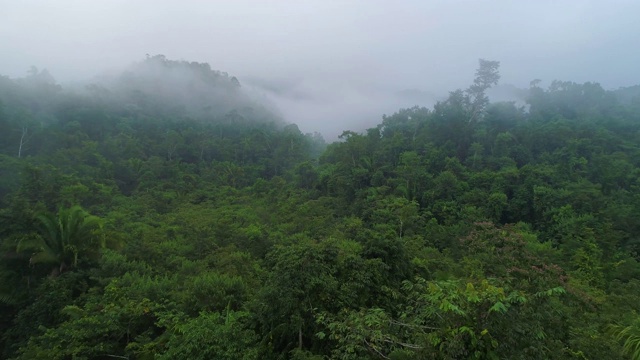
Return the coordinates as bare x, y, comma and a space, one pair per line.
170, 212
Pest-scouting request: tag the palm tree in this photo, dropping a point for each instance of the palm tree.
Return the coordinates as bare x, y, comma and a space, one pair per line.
64, 237
630, 338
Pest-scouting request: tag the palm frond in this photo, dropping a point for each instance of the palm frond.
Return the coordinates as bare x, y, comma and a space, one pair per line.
31, 243
44, 257
6, 299
630, 338
50, 229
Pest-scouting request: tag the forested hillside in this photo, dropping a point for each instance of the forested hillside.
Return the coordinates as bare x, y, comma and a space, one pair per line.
165, 214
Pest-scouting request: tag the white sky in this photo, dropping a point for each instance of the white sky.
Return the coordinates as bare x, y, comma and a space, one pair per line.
332, 50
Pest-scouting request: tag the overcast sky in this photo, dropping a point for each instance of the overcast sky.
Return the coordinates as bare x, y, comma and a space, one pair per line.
338, 58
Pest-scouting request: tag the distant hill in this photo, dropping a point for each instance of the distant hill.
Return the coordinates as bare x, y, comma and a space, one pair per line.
193, 89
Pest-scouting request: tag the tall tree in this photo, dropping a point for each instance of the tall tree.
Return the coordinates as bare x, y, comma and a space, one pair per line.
487, 75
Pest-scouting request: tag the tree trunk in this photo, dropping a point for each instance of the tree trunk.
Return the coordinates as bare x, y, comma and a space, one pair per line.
23, 141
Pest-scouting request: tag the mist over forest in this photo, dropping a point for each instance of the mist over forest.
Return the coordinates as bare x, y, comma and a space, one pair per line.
331, 66
319, 180
171, 211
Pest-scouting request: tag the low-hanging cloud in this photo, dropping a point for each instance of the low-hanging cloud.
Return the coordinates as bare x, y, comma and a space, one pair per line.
332, 106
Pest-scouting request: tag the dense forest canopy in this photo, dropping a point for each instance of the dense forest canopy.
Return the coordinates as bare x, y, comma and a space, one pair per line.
166, 213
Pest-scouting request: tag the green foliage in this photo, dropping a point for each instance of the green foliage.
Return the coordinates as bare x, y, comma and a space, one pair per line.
212, 335
473, 230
